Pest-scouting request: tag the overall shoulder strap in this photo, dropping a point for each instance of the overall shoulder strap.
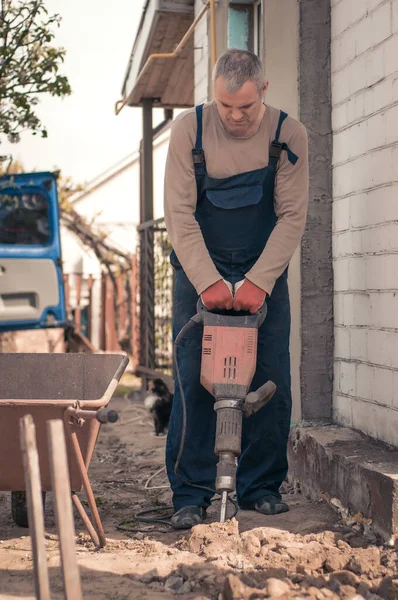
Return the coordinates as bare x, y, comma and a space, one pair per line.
197, 152
277, 146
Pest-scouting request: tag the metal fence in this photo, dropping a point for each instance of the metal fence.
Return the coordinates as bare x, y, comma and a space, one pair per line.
155, 297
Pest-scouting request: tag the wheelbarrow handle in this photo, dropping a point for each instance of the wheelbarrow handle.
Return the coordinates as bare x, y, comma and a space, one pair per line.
105, 415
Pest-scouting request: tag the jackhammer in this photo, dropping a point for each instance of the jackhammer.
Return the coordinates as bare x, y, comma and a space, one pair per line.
229, 359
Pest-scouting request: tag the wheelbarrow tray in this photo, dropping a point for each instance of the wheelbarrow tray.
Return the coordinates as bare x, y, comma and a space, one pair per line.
46, 386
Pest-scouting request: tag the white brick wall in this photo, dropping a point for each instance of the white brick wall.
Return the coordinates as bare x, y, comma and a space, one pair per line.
364, 63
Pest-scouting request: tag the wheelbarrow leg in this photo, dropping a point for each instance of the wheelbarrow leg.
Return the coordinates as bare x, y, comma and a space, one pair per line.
80, 509
101, 541
35, 506
63, 509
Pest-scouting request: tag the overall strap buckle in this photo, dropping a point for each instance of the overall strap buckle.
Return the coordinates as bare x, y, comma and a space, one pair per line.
198, 156
275, 149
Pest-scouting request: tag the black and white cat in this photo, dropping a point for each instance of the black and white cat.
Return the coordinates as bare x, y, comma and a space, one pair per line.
159, 402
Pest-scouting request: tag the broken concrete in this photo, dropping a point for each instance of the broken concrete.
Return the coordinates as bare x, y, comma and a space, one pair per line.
357, 470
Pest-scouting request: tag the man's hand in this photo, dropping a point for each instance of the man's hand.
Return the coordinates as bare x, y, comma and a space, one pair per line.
248, 297
218, 296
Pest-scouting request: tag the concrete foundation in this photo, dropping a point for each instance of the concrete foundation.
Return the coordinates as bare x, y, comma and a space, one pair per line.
361, 472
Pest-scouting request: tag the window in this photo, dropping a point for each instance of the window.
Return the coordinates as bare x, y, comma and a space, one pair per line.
24, 219
245, 26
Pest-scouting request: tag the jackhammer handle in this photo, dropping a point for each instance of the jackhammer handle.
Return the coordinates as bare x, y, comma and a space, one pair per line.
256, 400
105, 415
260, 314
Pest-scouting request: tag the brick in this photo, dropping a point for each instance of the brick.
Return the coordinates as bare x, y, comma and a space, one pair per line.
361, 309
338, 309
372, 4
384, 311
342, 50
357, 273
347, 374
374, 132
348, 308
342, 342
375, 67
363, 173
380, 238
341, 215
395, 16
373, 29
342, 244
391, 125
341, 150
340, 85
341, 278
390, 271
364, 381
351, 109
390, 50
395, 389
342, 410
344, 14
359, 344
383, 381
375, 272
373, 207
377, 421
383, 348
382, 94
357, 73
339, 116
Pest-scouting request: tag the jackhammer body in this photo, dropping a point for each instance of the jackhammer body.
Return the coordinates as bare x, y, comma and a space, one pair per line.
229, 360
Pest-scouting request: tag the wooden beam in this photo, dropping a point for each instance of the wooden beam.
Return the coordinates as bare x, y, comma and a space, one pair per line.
34, 499
63, 509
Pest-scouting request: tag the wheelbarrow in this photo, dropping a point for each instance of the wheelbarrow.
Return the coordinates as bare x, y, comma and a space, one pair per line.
73, 387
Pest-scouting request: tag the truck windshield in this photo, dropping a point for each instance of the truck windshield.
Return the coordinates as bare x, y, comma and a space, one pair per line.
24, 219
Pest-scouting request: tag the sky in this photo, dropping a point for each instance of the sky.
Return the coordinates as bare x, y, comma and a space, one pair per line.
85, 138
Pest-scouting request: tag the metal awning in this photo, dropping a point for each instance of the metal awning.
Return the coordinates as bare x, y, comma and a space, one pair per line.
168, 81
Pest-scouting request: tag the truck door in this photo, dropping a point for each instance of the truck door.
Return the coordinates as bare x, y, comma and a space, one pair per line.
31, 282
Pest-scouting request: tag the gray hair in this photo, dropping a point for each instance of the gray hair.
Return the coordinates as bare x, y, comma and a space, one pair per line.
238, 66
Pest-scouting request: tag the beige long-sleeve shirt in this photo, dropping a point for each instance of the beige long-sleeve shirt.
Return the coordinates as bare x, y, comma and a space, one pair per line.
226, 156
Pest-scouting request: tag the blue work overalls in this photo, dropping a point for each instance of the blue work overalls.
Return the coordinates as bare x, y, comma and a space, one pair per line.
236, 216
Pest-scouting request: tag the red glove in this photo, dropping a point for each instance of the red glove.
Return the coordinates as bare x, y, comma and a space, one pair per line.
218, 296
248, 297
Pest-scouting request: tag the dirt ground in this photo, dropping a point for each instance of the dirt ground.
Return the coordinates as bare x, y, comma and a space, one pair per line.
313, 551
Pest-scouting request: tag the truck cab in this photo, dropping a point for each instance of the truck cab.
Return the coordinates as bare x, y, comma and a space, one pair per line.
31, 280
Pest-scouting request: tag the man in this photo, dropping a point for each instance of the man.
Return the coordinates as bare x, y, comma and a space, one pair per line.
236, 195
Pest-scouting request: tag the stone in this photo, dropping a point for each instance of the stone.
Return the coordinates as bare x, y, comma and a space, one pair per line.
347, 592
363, 589
235, 589
185, 588
150, 576
315, 593
365, 560
216, 539
174, 583
388, 588
335, 561
277, 588
345, 578
251, 545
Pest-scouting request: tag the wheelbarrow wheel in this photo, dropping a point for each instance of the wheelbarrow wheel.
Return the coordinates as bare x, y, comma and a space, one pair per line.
19, 508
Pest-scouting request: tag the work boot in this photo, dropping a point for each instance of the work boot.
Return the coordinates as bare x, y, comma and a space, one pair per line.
188, 517
271, 505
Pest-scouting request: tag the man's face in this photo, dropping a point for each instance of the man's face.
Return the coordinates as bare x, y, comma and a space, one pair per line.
240, 111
